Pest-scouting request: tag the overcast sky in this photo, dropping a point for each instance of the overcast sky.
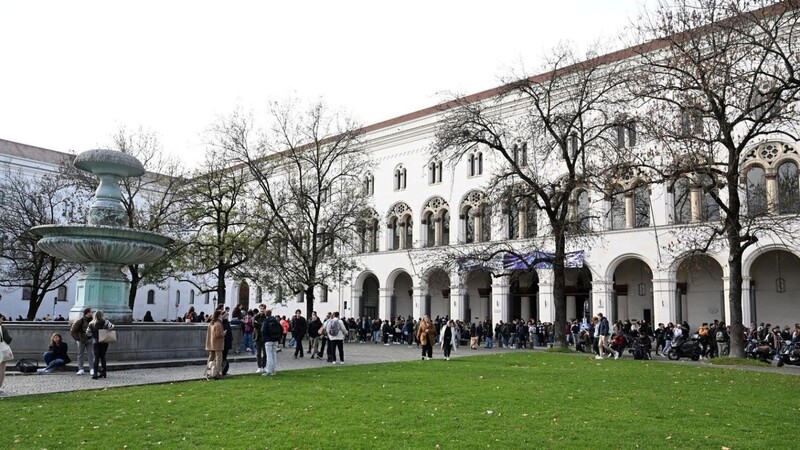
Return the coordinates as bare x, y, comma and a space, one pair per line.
74, 72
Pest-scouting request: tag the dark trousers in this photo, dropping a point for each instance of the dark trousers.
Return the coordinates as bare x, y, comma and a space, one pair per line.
427, 349
447, 347
100, 356
261, 354
333, 345
298, 346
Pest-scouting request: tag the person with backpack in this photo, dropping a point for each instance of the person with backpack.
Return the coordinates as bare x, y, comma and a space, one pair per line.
271, 333
336, 332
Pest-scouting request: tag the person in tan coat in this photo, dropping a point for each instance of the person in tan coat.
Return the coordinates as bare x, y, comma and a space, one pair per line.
426, 336
215, 344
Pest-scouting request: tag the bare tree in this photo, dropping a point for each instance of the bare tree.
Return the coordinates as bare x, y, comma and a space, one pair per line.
152, 202
543, 130
716, 79
306, 169
221, 236
26, 202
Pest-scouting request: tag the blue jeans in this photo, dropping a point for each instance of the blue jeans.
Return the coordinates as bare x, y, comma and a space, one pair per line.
247, 342
272, 356
51, 362
489, 342
667, 345
376, 336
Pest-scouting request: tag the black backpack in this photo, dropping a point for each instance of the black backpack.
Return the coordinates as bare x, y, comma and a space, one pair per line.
27, 365
275, 330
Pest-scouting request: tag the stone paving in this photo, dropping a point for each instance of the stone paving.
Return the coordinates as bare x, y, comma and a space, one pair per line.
17, 384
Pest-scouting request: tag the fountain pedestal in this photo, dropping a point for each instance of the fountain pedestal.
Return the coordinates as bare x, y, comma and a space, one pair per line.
105, 245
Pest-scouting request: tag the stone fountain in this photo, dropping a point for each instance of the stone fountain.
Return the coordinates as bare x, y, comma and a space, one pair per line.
106, 244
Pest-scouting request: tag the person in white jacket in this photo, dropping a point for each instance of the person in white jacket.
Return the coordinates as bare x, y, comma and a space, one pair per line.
449, 339
336, 332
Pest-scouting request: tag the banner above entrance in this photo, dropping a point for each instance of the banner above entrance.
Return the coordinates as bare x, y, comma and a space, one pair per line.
532, 260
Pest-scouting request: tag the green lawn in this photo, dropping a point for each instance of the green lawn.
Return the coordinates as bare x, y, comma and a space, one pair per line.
513, 400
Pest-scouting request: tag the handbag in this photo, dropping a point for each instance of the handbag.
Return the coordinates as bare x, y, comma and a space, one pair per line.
25, 365
5, 350
108, 336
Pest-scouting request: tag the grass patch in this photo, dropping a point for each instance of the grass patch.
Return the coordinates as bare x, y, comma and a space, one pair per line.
728, 361
560, 350
512, 400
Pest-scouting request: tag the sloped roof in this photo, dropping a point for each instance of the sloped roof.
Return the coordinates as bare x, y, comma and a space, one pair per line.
30, 152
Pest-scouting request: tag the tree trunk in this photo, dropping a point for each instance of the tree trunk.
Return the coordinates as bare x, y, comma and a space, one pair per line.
134, 285
735, 303
309, 301
37, 297
559, 297
221, 291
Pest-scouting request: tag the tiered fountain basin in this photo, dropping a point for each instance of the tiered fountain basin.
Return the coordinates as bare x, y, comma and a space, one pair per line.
101, 244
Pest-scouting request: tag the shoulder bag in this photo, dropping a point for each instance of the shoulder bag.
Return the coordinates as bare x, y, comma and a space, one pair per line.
5, 350
107, 335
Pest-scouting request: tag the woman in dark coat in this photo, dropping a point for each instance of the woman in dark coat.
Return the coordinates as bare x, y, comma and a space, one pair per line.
97, 324
56, 356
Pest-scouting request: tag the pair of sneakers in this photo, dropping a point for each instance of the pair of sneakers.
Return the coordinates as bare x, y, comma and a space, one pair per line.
81, 372
44, 370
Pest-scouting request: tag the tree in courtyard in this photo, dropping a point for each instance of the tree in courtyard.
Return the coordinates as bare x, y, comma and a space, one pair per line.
221, 233
306, 168
543, 130
27, 202
716, 79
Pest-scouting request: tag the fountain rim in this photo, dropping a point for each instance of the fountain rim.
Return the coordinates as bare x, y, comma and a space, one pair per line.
100, 231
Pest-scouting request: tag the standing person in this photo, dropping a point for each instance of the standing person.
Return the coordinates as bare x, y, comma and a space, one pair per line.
215, 344
723, 340
285, 325
7, 339
258, 337
248, 328
56, 355
100, 348
271, 332
336, 332
602, 336
85, 345
228, 344
325, 344
426, 336
449, 339
299, 329
314, 337
190, 315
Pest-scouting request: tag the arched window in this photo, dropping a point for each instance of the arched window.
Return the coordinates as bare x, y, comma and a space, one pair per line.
469, 225
395, 226
531, 224
61, 294
409, 230
191, 297
583, 212
363, 237
756, 191
446, 227
400, 178
207, 298
513, 220
375, 236
430, 229
434, 172
486, 223
641, 205
521, 154
617, 209
369, 184
475, 164
151, 297
682, 201
177, 297
710, 211
788, 189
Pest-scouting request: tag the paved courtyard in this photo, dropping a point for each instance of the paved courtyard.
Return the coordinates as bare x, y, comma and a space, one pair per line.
153, 372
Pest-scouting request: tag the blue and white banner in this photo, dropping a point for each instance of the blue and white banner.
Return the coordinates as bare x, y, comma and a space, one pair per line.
541, 260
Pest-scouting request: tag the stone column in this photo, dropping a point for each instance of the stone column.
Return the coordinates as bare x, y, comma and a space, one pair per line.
385, 303
602, 293
695, 200
547, 311
664, 309
748, 315
457, 304
418, 306
499, 301
630, 211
